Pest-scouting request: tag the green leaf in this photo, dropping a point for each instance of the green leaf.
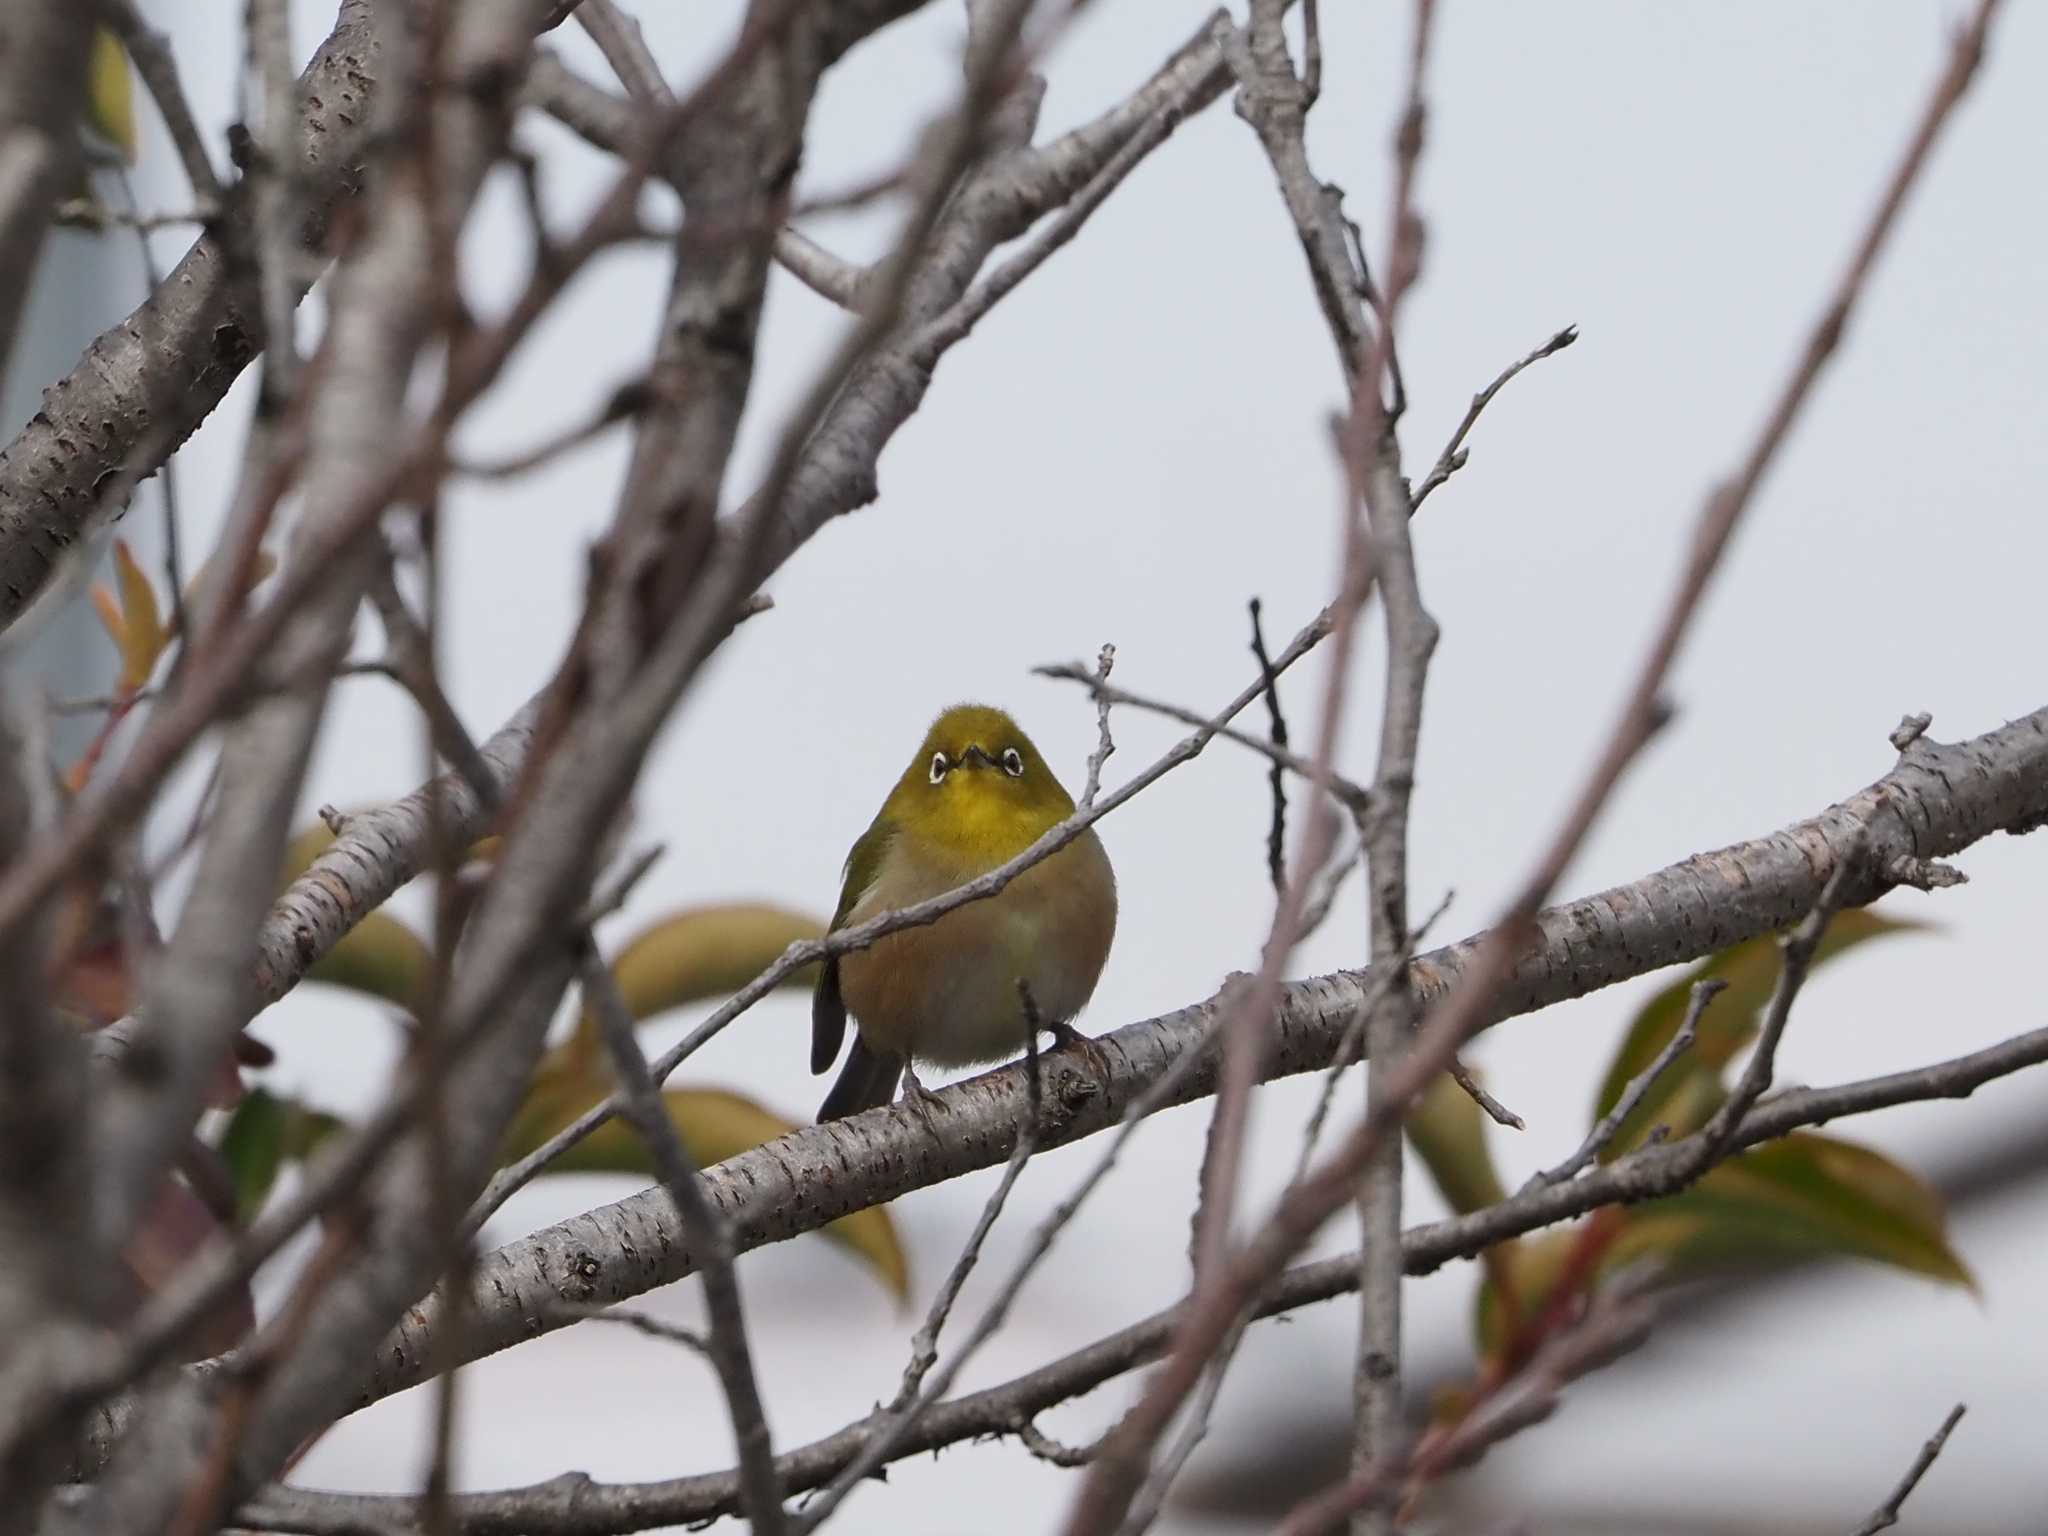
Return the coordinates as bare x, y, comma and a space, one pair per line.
265, 1133
252, 1146
1448, 1133
1803, 1196
1689, 1090
714, 1125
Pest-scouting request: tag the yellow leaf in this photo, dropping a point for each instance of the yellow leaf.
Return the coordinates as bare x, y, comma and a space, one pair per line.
380, 957
700, 953
142, 632
714, 1125
109, 610
110, 100
303, 849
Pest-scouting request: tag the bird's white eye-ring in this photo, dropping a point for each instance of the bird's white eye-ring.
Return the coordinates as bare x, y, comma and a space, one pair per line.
939, 766
1013, 762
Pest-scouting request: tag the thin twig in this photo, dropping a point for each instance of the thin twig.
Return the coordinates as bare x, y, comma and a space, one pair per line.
1704, 992
1886, 1515
619, 38
151, 51
1104, 746
1334, 875
640, 1322
1350, 793
1354, 1041
1474, 1090
85, 213
624, 404
832, 277
1794, 962
1617, 1323
1276, 834
1453, 458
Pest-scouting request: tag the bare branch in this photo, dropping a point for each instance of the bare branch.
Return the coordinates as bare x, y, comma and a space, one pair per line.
1947, 797
1886, 1515
151, 51
830, 277
1276, 722
1354, 795
573, 1505
623, 404
619, 38
1452, 459
43, 51
1597, 1140
69, 471
1795, 960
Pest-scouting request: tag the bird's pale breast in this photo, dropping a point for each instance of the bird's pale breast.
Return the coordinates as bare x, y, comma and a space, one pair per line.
946, 993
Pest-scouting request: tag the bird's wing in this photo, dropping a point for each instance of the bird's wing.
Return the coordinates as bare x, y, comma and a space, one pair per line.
828, 1008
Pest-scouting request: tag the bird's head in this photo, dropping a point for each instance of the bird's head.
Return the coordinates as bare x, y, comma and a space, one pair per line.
977, 785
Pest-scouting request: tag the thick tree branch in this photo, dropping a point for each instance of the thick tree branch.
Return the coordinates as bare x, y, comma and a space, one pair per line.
383, 315
387, 306
574, 1505
1939, 799
515, 958
100, 430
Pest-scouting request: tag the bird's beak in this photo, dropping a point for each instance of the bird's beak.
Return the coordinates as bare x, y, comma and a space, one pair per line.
974, 754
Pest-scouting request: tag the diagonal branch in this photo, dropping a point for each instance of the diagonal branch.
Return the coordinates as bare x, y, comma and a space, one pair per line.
69, 471
43, 49
573, 1505
1940, 799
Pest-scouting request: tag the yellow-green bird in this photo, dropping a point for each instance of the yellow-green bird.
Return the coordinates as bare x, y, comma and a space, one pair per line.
976, 795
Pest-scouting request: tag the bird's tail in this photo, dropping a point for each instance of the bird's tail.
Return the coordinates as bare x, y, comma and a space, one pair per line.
867, 1080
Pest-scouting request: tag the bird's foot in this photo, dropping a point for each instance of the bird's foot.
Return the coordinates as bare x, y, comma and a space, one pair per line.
1066, 1037
919, 1097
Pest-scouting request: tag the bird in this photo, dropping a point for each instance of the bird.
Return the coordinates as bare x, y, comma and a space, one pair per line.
976, 795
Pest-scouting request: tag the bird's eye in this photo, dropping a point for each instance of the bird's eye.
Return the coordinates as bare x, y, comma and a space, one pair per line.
939, 766
1013, 762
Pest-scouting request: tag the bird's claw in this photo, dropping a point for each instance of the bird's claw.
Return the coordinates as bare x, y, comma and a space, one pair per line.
1065, 1037
919, 1098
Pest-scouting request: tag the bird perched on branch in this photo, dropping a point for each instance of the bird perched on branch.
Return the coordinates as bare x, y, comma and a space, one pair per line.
976, 795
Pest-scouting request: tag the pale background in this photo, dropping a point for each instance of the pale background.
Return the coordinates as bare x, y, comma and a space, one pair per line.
1132, 445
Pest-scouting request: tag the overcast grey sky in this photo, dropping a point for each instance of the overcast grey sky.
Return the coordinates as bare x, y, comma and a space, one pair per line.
1135, 443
